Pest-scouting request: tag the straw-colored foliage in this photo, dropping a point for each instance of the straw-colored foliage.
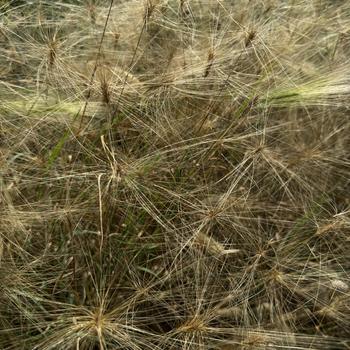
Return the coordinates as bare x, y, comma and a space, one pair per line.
174, 174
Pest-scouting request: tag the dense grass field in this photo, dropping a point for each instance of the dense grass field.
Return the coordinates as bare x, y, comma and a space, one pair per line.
174, 174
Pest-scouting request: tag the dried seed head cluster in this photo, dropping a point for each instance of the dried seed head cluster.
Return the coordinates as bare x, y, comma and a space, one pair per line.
174, 174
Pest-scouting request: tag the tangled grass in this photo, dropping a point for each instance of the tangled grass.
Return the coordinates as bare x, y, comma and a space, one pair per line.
174, 174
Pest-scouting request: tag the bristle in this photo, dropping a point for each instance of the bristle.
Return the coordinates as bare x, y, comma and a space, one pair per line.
174, 174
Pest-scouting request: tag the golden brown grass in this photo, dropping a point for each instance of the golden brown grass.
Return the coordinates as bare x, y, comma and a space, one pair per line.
174, 174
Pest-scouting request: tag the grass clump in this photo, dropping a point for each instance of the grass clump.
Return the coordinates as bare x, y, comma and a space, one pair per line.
174, 175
